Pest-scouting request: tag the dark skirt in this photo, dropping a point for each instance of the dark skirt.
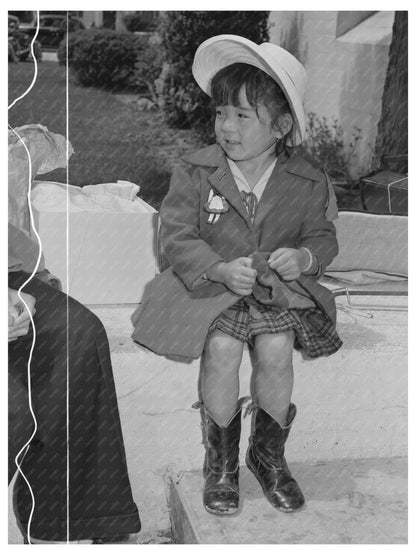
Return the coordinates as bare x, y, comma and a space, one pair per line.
315, 334
81, 457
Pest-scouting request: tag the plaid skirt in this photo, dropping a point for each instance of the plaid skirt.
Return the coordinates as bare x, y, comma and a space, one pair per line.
315, 334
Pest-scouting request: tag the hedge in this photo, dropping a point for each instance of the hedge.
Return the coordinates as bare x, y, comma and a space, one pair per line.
103, 58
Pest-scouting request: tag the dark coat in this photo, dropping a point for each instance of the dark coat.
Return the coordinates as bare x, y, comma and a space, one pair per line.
294, 211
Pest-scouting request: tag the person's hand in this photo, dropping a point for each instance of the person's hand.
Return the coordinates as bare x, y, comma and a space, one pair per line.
19, 316
288, 263
237, 275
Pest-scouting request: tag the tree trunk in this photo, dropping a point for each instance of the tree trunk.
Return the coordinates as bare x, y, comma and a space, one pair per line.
392, 137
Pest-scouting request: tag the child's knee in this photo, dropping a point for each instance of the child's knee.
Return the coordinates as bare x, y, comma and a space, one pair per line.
274, 349
221, 347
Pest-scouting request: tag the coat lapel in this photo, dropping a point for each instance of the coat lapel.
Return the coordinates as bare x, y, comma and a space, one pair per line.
223, 182
285, 183
274, 193
221, 179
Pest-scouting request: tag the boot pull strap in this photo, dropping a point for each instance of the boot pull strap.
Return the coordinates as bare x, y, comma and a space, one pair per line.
251, 407
242, 401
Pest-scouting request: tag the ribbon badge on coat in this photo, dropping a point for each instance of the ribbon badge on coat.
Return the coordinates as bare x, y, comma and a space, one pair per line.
216, 205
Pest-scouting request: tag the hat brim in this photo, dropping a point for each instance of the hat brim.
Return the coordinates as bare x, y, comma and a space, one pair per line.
223, 50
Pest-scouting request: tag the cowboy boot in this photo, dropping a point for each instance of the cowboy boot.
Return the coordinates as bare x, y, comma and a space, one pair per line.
221, 464
265, 458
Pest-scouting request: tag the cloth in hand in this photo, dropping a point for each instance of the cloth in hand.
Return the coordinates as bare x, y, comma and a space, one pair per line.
269, 289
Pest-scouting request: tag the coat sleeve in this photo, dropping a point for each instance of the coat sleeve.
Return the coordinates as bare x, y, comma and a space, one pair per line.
188, 254
317, 233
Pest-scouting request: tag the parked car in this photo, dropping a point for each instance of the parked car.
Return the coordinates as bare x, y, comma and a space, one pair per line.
53, 28
19, 42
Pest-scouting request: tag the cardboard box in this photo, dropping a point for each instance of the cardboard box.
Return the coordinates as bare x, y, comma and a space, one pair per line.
385, 192
100, 257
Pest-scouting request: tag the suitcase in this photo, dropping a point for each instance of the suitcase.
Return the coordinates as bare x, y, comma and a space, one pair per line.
385, 192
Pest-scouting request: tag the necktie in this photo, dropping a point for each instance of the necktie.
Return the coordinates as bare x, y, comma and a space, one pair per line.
250, 201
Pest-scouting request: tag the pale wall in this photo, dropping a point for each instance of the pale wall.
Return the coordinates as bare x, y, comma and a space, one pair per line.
345, 74
90, 17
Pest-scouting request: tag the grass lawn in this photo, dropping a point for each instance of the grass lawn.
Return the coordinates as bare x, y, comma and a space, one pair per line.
111, 137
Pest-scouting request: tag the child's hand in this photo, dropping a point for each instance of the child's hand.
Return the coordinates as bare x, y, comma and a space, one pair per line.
237, 275
288, 263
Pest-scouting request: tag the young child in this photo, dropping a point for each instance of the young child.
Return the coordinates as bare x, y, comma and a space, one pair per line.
251, 216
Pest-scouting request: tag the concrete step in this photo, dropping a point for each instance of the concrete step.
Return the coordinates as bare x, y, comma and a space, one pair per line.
348, 502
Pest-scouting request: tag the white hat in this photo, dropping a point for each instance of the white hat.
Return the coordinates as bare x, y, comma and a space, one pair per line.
223, 50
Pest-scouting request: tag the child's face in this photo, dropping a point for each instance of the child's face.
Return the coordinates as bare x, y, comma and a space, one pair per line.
243, 133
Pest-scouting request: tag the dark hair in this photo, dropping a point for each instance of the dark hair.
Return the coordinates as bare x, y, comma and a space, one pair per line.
260, 88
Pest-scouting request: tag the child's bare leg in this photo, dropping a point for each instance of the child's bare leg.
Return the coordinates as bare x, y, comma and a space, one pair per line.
219, 382
273, 373
221, 420
272, 421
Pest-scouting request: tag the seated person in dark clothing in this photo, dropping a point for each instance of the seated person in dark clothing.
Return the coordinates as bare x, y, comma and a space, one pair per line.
75, 460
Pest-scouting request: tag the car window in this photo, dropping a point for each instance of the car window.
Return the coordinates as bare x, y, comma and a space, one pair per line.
50, 22
60, 22
45, 22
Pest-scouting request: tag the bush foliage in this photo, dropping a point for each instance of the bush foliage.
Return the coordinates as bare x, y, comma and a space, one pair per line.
184, 104
148, 67
103, 58
138, 22
325, 142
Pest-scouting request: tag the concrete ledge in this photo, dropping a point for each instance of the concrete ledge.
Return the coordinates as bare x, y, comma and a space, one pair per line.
348, 502
352, 404
183, 528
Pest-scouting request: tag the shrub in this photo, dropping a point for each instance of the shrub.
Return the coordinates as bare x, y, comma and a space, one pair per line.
325, 142
138, 22
103, 58
62, 48
148, 67
184, 104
